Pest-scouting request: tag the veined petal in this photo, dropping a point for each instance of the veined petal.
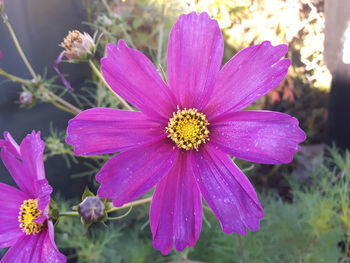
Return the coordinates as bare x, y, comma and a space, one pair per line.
43, 191
11, 200
227, 191
38, 248
258, 136
103, 130
248, 76
10, 144
15, 168
131, 174
49, 251
176, 209
194, 58
133, 76
23, 250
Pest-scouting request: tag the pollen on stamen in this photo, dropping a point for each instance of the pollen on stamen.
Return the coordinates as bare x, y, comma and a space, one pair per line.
28, 212
188, 128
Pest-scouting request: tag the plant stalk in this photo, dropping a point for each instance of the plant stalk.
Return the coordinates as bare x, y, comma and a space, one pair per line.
99, 75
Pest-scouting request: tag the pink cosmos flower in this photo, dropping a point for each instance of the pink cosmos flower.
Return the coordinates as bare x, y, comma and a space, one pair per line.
25, 225
180, 138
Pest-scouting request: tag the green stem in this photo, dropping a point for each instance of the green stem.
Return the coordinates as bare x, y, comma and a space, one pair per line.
120, 217
18, 46
68, 214
135, 203
72, 109
99, 75
66, 106
14, 78
241, 248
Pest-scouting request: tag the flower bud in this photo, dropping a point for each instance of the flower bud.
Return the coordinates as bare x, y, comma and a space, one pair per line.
77, 45
92, 209
25, 97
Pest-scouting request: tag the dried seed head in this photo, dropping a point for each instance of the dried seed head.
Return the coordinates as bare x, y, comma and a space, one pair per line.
78, 45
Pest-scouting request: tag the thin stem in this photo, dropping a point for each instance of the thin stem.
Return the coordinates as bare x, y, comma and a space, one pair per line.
241, 248
61, 107
14, 78
160, 44
68, 214
99, 75
122, 216
18, 46
66, 106
135, 203
74, 110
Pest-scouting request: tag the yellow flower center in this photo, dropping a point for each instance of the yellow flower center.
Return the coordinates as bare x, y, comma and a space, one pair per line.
188, 128
28, 212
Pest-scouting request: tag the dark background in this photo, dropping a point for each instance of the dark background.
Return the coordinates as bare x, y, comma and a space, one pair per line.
40, 27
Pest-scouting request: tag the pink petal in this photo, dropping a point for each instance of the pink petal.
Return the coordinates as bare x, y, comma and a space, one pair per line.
43, 190
248, 76
49, 251
23, 250
133, 76
11, 200
15, 168
32, 150
131, 174
194, 58
227, 191
103, 130
10, 144
258, 136
38, 248
176, 210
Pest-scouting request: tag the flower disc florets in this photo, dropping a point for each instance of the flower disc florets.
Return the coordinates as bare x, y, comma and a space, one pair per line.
28, 212
188, 128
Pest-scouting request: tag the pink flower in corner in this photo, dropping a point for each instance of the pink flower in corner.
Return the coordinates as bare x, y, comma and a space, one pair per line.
25, 225
180, 138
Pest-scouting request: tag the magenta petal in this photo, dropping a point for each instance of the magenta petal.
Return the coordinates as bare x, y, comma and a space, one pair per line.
133, 76
32, 150
227, 191
11, 200
258, 136
10, 144
131, 174
15, 168
176, 209
194, 58
38, 248
43, 191
23, 250
49, 251
103, 130
248, 76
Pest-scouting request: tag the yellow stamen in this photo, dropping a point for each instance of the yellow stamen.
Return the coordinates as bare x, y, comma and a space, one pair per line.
28, 212
188, 128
